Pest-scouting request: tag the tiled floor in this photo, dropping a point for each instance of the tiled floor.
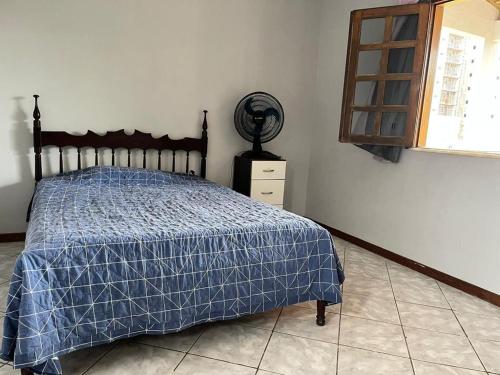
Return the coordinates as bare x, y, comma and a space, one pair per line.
393, 321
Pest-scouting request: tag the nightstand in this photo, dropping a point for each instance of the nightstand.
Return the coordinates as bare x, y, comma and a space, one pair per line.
262, 180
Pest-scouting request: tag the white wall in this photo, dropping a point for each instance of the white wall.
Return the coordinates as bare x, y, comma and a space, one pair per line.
440, 210
153, 66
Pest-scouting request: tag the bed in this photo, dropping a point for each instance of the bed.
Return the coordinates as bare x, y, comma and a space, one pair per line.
114, 252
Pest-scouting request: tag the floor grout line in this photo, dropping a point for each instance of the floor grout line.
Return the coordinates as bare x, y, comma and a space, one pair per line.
113, 345
213, 359
343, 264
465, 333
269, 339
370, 319
400, 321
191, 347
432, 330
373, 351
157, 346
453, 366
420, 304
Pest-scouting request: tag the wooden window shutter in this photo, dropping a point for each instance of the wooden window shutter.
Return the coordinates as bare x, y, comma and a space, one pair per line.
383, 85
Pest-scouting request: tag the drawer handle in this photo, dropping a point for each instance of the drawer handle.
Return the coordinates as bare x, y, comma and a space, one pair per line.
268, 170
266, 192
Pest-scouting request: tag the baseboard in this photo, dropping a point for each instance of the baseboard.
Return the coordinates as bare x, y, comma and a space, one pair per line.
12, 237
464, 286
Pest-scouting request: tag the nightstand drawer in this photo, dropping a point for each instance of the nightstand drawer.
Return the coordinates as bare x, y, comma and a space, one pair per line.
268, 191
268, 170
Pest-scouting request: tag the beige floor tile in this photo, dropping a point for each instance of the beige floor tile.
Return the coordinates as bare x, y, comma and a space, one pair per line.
299, 321
371, 270
12, 249
424, 368
133, 359
368, 286
199, 365
441, 348
406, 276
341, 245
7, 267
181, 341
234, 343
424, 296
79, 361
265, 320
479, 326
426, 317
312, 305
4, 292
460, 301
415, 280
6, 261
372, 335
362, 362
340, 250
8, 370
341, 258
489, 352
292, 355
370, 307
352, 246
357, 254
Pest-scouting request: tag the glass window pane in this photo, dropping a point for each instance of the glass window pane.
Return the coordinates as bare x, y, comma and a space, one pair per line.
365, 93
400, 60
405, 27
362, 123
372, 30
369, 62
396, 92
393, 124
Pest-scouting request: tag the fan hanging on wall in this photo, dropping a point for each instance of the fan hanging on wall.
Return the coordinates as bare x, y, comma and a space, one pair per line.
259, 118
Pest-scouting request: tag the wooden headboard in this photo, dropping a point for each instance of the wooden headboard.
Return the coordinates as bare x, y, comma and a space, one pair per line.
116, 140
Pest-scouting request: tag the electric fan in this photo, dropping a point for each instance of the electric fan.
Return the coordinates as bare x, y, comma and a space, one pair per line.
258, 118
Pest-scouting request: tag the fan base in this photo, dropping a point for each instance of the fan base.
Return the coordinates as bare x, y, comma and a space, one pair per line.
263, 155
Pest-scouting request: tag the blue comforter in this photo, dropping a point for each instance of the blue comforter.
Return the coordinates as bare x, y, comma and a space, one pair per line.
117, 252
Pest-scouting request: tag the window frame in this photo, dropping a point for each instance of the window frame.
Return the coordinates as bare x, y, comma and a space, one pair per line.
417, 76
436, 23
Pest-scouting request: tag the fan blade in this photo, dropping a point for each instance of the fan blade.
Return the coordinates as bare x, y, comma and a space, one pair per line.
272, 112
248, 107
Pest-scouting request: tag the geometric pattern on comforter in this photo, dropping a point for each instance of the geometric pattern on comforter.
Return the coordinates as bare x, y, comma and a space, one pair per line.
117, 252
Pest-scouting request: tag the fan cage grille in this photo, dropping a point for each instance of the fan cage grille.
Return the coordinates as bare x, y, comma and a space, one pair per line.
259, 102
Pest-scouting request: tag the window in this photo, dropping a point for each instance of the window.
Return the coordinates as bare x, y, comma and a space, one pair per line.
461, 106
424, 75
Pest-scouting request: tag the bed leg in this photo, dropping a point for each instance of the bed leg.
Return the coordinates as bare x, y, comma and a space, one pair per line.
26, 371
320, 316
